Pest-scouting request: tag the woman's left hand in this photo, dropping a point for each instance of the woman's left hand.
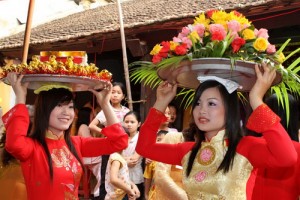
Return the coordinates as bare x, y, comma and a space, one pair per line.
263, 83
102, 92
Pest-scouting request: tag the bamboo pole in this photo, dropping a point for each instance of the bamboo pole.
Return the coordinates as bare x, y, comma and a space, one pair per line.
27, 31
125, 61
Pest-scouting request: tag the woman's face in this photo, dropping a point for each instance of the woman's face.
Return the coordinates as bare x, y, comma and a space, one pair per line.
117, 95
173, 114
61, 117
209, 113
168, 116
131, 123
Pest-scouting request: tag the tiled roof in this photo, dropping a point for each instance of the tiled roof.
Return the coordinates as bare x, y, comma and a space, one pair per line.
138, 15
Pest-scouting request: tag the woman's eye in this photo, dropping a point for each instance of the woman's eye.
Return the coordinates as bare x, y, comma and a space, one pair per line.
211, 104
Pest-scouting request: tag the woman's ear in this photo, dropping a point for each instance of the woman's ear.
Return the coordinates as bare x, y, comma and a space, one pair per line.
139, 124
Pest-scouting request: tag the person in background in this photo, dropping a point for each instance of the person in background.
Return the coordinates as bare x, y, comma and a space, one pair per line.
281, 183
117, 180
51, 159
118, 95
220, 153
150, 169
1, 123
132, 122
12, 184
168, 178
173, 116
84, 117
165, 124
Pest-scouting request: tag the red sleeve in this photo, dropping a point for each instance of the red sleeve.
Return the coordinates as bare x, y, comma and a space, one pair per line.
116, 140
16, 122
147, 146
275, 148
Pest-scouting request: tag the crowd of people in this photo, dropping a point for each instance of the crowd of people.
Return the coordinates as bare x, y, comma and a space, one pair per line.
213, 158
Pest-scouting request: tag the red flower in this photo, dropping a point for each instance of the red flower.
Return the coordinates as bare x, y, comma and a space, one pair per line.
209, 13
156, 59
165, 47
237, 43
236, 13
181, 49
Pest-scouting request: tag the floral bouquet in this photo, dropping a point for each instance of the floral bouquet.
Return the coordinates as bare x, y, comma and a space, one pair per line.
219, 34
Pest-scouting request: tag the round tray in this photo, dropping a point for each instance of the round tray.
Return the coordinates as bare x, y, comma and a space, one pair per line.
186, 73
77, 83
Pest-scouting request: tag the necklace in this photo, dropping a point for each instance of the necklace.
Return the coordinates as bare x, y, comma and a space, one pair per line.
207, 155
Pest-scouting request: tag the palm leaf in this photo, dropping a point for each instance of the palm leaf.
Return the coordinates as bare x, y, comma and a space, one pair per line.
188, 96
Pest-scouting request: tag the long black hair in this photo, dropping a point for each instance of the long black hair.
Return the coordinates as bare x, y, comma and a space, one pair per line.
233, 131
83, 117
45, 102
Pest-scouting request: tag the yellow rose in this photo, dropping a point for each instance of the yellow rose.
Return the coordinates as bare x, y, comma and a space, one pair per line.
155, 49
248, 34
260, 44
173, 45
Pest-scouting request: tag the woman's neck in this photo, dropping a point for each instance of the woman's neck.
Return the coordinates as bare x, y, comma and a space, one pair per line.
117, 106
211, 134
54, 136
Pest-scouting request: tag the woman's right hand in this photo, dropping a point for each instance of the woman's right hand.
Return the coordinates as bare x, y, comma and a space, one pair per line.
20, 89
165, 93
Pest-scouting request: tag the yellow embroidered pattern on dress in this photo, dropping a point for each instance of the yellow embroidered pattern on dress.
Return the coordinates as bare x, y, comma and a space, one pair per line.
205, 183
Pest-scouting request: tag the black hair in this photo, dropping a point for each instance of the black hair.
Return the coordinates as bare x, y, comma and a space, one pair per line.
137, 116
45, 102
6, 157
292, 125
121, 85
83, 117
161, 132
233, 131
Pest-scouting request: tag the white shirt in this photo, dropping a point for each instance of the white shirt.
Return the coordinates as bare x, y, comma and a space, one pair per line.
136, 172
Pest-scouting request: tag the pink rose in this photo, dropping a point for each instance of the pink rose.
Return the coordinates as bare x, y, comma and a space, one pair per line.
176, 39
271, 49
185, 31
187, 41
234, 26
200, 29
261, 33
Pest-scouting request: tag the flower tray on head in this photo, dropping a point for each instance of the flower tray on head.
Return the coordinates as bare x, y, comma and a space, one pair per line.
78, 76
79, 57
187, 72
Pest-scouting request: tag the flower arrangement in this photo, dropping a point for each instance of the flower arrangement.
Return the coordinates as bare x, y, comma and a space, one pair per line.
220, 34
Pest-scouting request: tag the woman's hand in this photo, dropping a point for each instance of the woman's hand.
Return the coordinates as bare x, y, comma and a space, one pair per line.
263, 83
20, 89
165, 93
102, 93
